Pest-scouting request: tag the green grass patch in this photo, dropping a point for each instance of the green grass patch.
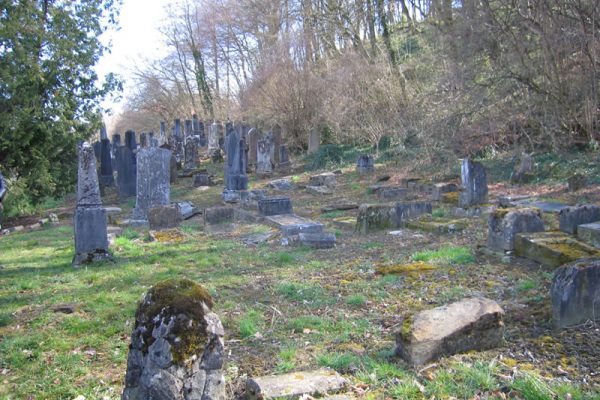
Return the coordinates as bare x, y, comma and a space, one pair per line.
446, 254
249, 324
356, 300
332, 214
341, 362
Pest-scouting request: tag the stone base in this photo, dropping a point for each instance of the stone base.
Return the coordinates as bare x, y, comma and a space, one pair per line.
504, 224
321, 240
552, 249
438, 225
469, 324
590, 233
164, 217
275, 206
365, 170
392, 193
570, 218
319, 190
324, 179
91, 257
231, 196
292, 224
294, 385
218, 215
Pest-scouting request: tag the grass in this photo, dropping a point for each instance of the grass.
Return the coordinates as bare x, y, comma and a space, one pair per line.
249, 324
446, 254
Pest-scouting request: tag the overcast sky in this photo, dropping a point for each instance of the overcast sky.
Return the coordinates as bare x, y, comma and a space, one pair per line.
137, 39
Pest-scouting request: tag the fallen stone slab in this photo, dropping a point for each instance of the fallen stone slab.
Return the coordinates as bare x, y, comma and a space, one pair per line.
469, 324
295, 384
164, 217
342, 206
319, 190
505, 223
291, 224
324, 179
322, 240
552, 249
571, 217
511, 201
392, 193
217, 215
575, 293
281, 184
438, 225
186, 209
255, 239
590, 233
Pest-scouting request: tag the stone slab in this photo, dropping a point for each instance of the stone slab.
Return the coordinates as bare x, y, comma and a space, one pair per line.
292, 224
275, 206
469, 324
392, 193
321, 240
281, 184
341, 206
217, 215
295, 385
319, 190
590, 233
571, 217
553, 248
324, 179
505, 223
164, 217
438, 225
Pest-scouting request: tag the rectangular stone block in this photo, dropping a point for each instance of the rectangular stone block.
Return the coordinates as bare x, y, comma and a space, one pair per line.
407, 211
321, 240
392, 193
294, 385
217, 215
90, 229
552, 249
275, 206
440, 188
504, 224
373, 217
291, 224
570, 218
164, 217
590, 233
324, 179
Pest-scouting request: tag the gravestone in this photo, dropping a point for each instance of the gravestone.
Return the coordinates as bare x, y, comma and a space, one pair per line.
392, 193
275, 206
162, 137
590, 233
143, 140
296, 385
365, 164
191, 154
198, 130
575, 292
576, 182
172, 163
284, 157
235, 167
474, 184
89, 220
218, 215
439, 189
213, 137
276, 139
103, 133
324, 179
152, 141
106, 168
97, 146
164, 217
524, 171
411, 210
252, 138
130, 140
372, 217
264, 163
153, 174
188, 130
504, 224
126, 172
571, 217
314, 141
116, 142
177, 347
178, 142
203, 179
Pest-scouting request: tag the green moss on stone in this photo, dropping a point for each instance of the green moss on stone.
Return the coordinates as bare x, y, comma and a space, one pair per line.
406, 329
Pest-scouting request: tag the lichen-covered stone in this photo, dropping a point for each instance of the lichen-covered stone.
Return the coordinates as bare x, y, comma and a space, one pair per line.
575, 292
504, 224
474, 184
275, 206
164, 217
217, 215
571, 217
324, 179
291, 224
552, 248
294, 385
441, 188
177, 348
469, 324
153, 180
590, 233
372, 217
365, 164
410, 210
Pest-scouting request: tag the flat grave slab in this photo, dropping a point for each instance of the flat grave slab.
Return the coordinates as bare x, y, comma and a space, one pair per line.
292, 224
295, 385
437, 225
589, 233
553, 248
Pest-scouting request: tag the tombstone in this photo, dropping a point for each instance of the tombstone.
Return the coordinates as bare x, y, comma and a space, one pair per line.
439, 189
504, 224
198, 130
97, 146
126, 172
252, 140
172, 164
116, 142
178, 149
106, 169
411, 210
275, 206
177, 348
153, 175
524, 172
284, 157
474, 184
296, 385
365, 164
89, 221
277, 139
164, 217
203, 179
314, 141
213, 137
188, 131
163, 133
152, 141
143, 140
235, 167
570, 218
191, 154
103, 133
264, 163
130, 140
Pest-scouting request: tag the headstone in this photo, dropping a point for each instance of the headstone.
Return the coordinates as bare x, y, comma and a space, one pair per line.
291, 224
296, 385
575, 293
524, 171
439, 189
571, 217
178, 142
249, 198
198, 130
116, 142
552, 249
203, 179
275, 206
172, 164
217, 215
177, 348
466, 325
213, 137
314, 141
106, 168
103, 133
89, 222
264, 163
372, 217
188, 130
323, 240
126, 172
130, 140
474, 184
235, 166
276, 139
162, 137
191, 154
153, 174
576, 182
252, 138
152, 141
504, 224
143, 140
164, 217
97, 146
365, 164
3, 191
406, 211
284, 157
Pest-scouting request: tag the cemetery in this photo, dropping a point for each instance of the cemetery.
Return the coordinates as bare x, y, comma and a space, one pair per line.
299, 200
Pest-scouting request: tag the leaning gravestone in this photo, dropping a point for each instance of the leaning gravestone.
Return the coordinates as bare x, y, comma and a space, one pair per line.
126, 172
153, 175
89, 222
474, 184
264, 163
106, 168
235, 167
365, 164
177, 348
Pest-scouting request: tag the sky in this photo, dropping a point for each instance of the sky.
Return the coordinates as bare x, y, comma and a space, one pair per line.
137, 39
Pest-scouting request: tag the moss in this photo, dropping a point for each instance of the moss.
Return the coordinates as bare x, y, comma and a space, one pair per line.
171, 298
418, 266
500, 213
406, 329
450, 198
167, 236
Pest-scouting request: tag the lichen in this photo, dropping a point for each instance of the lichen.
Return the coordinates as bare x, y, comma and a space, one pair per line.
418, 266
183, 300
450, 198
406, 329
167, 236
501, 212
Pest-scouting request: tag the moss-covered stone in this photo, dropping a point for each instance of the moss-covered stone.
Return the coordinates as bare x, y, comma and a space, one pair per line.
438, 225
552, 248
451, 198
418, 266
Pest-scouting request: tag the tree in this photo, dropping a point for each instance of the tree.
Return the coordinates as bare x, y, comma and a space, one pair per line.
49, 93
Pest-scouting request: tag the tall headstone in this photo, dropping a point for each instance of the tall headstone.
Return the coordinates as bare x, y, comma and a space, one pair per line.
314, 141
153, 174
191, 153
126, 172
252, 140
365, 164
106, 168
89, 221
172, 164
178, 142
152, 141
130, 140
188, 131
213, 137
235, 167
474, 184
97, 146
143, 140
284, 157
264, 163
277, 139
103, 133
116, 141
162, 137
198, 130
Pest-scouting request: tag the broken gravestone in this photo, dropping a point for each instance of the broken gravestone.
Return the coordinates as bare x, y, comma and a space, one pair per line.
469, 324
439, 189
295, 385
524, 171
474, 184
504, 224
177, 348
552, 249
89, 220
571, 217
203, 179
575, 292
324, 179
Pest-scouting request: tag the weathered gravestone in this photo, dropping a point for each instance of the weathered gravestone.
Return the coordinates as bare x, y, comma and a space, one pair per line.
126, 172
89, 221
524, 171
264, 163
106, 168
276, 138
213, 138
284, 157
469, 324
143, 140
235, 167
314, 141
177, 348
116, 142
162, 136
172, 163
252, 139
178, 142
439, 189
198, 130
97, 146
153, 174
474, 184
571, 217
365, 164
164, 217
576, 182
130, 140
103, 133
275, 206
203, 179
187, 129
152, 141
575, 293
191, 153
296, 385
504, 224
